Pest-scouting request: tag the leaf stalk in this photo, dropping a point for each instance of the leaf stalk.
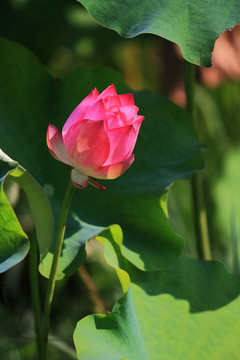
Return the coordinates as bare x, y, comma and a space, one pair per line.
34, 286
200, 213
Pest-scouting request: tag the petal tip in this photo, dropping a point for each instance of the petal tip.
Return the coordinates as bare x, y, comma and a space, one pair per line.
56, 145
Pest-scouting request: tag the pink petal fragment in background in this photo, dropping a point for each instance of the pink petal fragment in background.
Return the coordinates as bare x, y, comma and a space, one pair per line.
87, 144
113, 171
80, 110
78, 179
122, 142
56, 145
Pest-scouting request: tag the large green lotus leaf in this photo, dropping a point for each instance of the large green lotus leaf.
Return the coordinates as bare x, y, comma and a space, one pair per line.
193, 25
14, 243
73, 253
190, 310
167, 149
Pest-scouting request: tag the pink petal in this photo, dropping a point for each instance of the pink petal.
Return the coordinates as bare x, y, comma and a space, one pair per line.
137, 122
113, 171
78, 179
109, 91
111, 101
56, 145
80, 110
87, 145
122, 142
127, 100
130, 112
96, 111
114, 120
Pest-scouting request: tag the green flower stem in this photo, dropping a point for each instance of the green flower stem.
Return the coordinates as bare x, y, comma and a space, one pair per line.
53, 272
34, 285
200, 214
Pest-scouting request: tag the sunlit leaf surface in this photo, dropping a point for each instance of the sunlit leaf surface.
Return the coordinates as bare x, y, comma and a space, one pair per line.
190, 310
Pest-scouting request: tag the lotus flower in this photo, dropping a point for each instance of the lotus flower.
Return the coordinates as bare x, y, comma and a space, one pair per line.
98, 138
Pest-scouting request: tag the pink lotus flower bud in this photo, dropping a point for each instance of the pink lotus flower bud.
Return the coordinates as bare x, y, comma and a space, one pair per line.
98, 137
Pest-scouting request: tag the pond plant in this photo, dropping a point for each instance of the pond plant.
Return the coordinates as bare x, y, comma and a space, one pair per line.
119, 154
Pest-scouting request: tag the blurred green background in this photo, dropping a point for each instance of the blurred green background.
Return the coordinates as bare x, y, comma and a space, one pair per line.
63, 36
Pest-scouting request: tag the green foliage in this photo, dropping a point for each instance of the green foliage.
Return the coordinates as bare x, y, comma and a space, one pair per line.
150, 327
167, 149
73, 253
172, 307
14, 244
172, 314
39, 206
226, 191
193, 25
